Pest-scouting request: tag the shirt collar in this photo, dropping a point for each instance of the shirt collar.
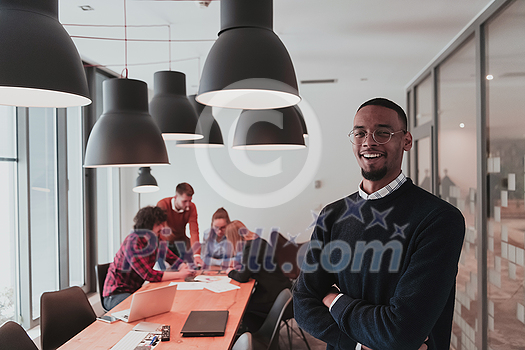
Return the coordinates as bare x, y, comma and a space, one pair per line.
385, 191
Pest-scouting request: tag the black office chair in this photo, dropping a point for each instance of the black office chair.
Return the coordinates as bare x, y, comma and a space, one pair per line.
244, 342
14, 337
63, 314
267, 337
101, 272
287, 321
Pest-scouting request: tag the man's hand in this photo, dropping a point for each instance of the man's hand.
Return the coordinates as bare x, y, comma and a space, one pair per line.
422, 347
329, 298
185, 271
197, 260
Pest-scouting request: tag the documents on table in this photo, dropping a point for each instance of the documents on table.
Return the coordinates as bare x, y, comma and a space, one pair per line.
219, 287
216, 284
188, 285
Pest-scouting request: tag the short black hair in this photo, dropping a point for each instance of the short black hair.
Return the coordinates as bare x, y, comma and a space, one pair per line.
148, 217
184, 188
383, 102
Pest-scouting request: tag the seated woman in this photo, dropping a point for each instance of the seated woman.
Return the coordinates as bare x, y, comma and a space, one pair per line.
217, 250
133, 263
257, 263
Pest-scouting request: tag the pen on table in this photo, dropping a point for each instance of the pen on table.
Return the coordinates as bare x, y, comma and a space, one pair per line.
153, 340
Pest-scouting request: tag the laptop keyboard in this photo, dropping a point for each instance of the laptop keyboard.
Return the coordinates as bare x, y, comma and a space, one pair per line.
130, 340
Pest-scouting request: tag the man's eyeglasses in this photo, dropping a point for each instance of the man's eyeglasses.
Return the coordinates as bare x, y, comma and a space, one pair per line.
381, 135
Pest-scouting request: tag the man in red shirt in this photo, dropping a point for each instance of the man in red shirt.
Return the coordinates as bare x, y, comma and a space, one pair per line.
181, 211
134, 262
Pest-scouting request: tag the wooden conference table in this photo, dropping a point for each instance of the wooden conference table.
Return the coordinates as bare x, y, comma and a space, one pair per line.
102, 335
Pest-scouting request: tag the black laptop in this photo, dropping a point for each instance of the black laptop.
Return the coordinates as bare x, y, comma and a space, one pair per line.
205, 324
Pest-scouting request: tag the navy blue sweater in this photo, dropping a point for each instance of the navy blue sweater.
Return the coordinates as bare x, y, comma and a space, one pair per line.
395, 260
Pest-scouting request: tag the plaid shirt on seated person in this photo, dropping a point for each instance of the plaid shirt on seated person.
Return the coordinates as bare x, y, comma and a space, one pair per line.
134, 262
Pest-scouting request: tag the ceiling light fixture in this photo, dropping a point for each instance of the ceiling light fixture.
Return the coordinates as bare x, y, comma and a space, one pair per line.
171, 109
301, 120
39, 63
125, 134
248, 66
275, 129
207, 126
145, 182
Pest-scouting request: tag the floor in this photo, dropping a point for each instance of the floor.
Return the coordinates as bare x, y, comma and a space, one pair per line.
297, 341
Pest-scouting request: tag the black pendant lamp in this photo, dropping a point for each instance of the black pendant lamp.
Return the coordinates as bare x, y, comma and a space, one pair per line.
301, 120
248, 66
273, 129
125, 134
207, 126
145, 182
171, 109
39, 64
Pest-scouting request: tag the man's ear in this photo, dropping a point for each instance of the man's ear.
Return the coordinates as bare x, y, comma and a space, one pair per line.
407, 145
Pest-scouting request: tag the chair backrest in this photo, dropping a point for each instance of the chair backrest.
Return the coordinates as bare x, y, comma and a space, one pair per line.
287, 256
270, 328
63, 314
101, 272
244, 342
14, 337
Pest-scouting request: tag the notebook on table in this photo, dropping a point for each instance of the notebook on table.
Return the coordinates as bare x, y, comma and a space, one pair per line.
205, 324
148, 303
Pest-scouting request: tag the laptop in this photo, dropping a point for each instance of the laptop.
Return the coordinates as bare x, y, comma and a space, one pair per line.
148, 303
205, 324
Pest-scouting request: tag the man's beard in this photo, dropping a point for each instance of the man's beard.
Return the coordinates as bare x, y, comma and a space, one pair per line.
374, 175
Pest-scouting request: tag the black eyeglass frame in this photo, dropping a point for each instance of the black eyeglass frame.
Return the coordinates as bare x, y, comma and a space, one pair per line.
351, 135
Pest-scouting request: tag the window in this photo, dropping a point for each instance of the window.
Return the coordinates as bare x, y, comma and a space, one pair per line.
49, 231
8, 213
43, 203
75, 198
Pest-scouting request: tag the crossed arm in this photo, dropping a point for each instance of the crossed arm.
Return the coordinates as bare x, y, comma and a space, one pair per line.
407, 319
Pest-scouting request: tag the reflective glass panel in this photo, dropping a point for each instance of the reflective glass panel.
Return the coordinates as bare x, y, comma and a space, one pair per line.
76, 238
424, 165
424, 101
506, 154
457, 166
8, 286
42, 203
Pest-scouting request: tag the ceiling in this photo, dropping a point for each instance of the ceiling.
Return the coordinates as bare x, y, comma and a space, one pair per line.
382, 42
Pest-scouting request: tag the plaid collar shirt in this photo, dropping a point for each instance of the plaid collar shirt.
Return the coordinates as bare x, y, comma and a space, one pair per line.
134, 262
385, 191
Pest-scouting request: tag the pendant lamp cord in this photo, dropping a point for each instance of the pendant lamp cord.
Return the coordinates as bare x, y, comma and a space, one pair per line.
169, 47
125, 71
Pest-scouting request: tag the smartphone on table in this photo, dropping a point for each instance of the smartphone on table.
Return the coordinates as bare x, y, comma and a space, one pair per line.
107, 318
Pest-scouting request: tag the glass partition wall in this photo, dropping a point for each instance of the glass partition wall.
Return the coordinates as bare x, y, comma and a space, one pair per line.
505, 123
475, 135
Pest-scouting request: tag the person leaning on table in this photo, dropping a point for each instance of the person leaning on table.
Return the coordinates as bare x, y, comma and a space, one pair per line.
133, 263
257, 263
216, 249
181, 211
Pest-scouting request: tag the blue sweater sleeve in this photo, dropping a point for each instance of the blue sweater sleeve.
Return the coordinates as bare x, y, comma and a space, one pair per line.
419, 297
312, 286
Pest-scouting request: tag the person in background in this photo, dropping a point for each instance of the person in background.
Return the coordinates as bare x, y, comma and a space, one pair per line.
216, 249
390, 248
134, 262
255, 264
181, 211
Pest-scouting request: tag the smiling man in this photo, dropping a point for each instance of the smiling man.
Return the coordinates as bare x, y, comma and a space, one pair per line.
381, 267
